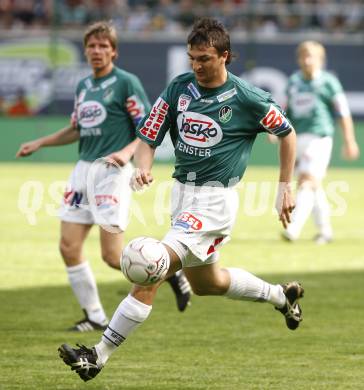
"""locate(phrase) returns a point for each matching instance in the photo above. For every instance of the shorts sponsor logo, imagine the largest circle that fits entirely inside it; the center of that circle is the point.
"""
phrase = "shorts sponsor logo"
(274, 121)
(198, 129)
(155, 120)
(91, 114)
(72, 198)
(183, 102)
(135, 108)
(225, 114)
(106, 200)
(188, 221)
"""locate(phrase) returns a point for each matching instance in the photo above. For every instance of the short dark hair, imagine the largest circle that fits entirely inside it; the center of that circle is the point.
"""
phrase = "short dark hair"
(102, 30)
(211, 33)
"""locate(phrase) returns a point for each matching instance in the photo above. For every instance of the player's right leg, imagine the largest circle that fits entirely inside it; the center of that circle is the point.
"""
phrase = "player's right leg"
(132, 312)
(81, 277)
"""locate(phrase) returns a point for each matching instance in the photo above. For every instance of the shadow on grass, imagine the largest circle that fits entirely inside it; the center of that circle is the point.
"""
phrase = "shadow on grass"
(217, 341)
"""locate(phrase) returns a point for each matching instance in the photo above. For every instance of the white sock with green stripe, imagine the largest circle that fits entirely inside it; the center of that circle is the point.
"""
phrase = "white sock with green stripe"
(247, 287)
(130, 314)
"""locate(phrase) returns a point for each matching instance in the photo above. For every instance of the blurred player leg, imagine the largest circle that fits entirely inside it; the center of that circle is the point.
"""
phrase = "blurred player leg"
(304, 204)
(81, 277)
(321, 215)
(181, 289)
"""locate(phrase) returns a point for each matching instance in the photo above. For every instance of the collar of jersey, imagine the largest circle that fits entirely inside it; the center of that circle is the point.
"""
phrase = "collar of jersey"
(212, 91)
(98, 80)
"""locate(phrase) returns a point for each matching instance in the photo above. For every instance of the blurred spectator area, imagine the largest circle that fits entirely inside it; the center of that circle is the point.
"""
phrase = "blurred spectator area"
(266, 17)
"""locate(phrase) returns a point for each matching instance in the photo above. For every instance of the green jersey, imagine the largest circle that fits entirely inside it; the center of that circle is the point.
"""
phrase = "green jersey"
(107, 112)
(212, 129)
(312, 105)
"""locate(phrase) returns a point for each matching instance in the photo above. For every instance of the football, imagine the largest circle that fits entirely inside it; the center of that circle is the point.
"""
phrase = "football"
(144, 261)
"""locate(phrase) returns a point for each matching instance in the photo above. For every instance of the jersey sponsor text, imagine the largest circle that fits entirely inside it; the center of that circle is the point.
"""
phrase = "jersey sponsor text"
(90, 114)
(155, 120)
(198, 130)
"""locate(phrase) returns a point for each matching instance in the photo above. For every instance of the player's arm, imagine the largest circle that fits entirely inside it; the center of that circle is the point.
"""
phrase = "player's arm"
(341, 107)
(64, 136)
(136, 105)
(287, 155)
(350, 148)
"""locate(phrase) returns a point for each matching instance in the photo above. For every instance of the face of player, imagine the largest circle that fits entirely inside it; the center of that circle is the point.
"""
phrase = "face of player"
(310, 62)
(100, 55)
(208, 65)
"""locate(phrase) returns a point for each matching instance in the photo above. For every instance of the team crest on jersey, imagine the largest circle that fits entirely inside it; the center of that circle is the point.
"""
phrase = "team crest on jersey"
(108, 95)
(225, 114)
(198, 129)
(155, 120)
(91, 114)
(183, 102)
(274, 121)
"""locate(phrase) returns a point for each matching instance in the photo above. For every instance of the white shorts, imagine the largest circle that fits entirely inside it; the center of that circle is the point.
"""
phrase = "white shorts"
(98, 193)
(202, 220)
(313, 154)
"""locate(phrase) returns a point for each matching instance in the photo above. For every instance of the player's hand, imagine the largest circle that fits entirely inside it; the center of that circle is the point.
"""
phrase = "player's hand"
(140, 179)
(351, 151)
(117, 158)
(284, 203)
(28, 148)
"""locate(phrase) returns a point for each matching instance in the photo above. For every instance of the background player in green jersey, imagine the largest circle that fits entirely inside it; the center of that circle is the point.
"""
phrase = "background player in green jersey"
(108, 106)
(213, 118)
(315, 99)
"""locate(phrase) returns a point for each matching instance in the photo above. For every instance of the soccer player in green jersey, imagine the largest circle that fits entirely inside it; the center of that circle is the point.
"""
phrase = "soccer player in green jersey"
(109, 104)
(213, 118)
(315, 100)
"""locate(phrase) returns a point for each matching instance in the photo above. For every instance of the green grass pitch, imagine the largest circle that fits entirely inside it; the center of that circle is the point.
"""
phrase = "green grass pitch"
(217, 343)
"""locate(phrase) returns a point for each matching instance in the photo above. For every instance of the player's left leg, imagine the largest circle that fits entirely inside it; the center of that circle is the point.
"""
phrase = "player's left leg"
(236, 283)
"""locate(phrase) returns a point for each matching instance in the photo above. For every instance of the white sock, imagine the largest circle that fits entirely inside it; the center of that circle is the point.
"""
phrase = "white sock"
(303, 209)
(321, 213)
(246, 286)
(84, 287)
(130, 314)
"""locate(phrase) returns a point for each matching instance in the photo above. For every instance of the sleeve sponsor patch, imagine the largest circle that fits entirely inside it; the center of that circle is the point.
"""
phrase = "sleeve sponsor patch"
(275, 122)
(155, 120)
(135, 108)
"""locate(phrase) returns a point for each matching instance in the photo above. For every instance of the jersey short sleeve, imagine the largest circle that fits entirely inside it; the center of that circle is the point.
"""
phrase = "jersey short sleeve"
(136, 103)
(154, 126)
(270, 115)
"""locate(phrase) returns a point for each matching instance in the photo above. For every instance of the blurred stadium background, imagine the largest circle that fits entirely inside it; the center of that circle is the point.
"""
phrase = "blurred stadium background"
(219, 346)
(41, 53)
